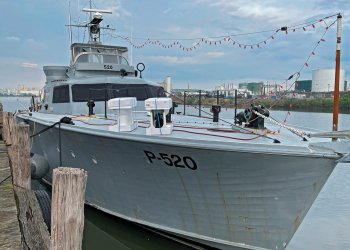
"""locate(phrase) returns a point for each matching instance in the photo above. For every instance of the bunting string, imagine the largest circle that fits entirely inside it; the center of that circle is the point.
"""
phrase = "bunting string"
(222, 39)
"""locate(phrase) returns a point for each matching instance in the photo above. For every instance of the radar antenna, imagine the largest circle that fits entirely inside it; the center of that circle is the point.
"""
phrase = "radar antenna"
(94, 26)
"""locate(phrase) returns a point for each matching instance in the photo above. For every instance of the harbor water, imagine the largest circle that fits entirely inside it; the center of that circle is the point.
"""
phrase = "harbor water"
(324, 227)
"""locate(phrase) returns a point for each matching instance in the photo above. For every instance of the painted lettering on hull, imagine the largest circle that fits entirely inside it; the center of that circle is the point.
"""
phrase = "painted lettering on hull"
(173, 160)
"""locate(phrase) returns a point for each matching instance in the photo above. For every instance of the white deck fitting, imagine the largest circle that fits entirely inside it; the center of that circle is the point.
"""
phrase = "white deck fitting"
(123, 108)
(159, 106)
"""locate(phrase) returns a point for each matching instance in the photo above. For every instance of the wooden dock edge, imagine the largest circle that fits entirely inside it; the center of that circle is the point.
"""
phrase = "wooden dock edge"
(10, 234)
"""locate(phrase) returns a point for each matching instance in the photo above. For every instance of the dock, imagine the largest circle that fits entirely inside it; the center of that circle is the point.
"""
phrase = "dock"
(22, 224)
(10, 236)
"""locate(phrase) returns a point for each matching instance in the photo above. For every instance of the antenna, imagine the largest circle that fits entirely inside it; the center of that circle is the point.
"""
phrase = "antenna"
(70, 26)
(94, 27)
(100, 11)
(132, 20)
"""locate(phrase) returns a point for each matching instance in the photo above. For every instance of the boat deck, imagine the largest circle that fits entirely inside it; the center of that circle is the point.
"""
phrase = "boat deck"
(190, 129)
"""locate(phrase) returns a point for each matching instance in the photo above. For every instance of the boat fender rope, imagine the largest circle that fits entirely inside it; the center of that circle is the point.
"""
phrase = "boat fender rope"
(65, 120)
(160, 129)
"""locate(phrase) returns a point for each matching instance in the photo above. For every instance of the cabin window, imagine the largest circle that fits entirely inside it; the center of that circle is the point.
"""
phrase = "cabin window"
(61, 94)
(97, 92)
(82, 92)
(123, 61)
(129, 90)
(98, 58)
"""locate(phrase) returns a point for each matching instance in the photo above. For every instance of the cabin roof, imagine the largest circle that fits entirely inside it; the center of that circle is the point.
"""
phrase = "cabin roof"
(123, 49)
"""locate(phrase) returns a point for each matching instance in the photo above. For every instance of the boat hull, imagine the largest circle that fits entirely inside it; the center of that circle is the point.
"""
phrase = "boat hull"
(224, 199)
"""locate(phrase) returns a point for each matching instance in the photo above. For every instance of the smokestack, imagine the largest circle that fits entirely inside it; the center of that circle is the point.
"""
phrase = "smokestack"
(168, 85)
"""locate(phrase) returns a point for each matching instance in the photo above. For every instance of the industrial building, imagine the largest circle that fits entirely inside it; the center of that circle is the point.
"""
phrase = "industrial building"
(303, 86)
(255, 87)
(322, 81)
(167, 86)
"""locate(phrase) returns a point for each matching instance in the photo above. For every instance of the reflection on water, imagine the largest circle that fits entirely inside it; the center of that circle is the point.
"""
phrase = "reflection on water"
(114, 233)
(104, 231)
(326, 226)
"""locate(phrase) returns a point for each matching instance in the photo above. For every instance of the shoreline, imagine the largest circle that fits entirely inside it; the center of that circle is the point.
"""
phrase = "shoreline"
(320, 104)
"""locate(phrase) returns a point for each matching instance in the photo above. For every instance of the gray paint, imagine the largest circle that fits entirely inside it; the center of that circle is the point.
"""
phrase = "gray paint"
(244, 194)
(238, 198)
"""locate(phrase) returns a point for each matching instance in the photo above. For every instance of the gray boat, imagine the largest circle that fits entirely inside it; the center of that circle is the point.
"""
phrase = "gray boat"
(204, 179)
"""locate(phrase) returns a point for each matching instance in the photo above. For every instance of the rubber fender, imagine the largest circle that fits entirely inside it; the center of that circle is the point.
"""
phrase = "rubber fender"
(45, 206)
(39, 166)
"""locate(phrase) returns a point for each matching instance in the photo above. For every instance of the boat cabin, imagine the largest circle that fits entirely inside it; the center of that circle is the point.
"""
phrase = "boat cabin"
(97, 73)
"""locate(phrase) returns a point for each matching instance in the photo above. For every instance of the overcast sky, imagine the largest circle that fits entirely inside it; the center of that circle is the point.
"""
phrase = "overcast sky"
(33, 34)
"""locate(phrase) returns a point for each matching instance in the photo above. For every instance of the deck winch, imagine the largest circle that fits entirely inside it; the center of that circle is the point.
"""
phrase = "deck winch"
(160, 120)
(252, 120)
(123, 108)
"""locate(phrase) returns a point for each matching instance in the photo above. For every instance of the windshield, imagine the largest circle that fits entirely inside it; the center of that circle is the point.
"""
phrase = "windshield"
(102, 91)
(98, 58)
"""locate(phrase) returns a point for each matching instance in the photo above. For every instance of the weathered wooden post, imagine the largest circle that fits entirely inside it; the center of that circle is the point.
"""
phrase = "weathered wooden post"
(10, 123)
(1, 121)
(4, 125)
(67, 208)
(20, 156)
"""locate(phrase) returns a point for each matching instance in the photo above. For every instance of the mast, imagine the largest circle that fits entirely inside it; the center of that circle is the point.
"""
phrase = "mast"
(337, 74)
(90, 12)
(70, 27)
(79, 19)
(132, 21)
(70, 34)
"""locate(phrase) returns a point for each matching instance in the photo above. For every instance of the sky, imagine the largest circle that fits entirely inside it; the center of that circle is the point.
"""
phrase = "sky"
(34, 35)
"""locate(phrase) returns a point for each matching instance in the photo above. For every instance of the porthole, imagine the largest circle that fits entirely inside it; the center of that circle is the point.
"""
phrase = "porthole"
(72, 153)
(94, 159)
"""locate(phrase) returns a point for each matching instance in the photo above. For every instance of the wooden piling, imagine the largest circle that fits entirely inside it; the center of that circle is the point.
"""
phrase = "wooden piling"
(5, 126)
(68, 197)
(20, 156)
(1, 122)
(67, 209)
(35, 234)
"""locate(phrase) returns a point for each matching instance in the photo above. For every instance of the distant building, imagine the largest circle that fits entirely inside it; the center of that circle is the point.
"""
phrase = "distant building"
(322, 81)
(226, 89)
(303, 86)
(164, 85)
(30, 92)
(255, 87)
(22, 87)
(296, 95)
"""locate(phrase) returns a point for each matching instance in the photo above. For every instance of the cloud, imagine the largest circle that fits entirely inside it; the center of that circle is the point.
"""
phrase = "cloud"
(12, 38)
(173, 60)
(29, 65)
(166, 11)
(215, 54)
(117, 8)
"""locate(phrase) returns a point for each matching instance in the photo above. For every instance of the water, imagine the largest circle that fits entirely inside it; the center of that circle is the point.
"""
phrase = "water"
(324, 227)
